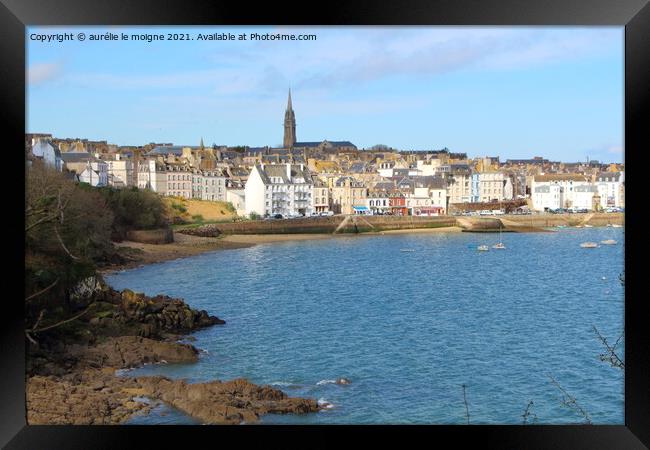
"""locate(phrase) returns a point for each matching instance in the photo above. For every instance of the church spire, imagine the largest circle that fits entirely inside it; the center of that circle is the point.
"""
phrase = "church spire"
(289, 125)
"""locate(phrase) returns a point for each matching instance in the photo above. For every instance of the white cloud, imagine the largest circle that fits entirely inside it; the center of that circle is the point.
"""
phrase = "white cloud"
(41, 72)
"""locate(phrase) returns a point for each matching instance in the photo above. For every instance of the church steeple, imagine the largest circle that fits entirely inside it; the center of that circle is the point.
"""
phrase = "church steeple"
(289, 125)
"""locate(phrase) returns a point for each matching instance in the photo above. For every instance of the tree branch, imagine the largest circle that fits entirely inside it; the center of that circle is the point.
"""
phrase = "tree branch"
(58, 324)
(42, 291)
(466, 405)
(611, 355)
(570, 401)
(40, 221)
(56, 231)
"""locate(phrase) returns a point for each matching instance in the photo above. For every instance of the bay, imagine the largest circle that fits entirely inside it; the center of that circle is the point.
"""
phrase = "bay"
(409, 328)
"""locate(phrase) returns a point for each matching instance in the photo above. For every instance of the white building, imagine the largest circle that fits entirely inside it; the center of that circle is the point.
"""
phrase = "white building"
(583, 196)
(378, 202)
(547, 196)
(120, 172)
(492, 186)
(561, 191)
(430, 167)
(95, 173)
(284, 189)
(610, 188)
(237, 199)
(152, 175)
(48, 152)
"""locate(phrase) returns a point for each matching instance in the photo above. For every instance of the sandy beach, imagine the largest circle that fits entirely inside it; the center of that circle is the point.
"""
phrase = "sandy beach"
(139, 254)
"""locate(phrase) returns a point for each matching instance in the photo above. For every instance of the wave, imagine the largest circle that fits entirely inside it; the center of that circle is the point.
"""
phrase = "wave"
(322, 382)
(281, 383)
(324, 403)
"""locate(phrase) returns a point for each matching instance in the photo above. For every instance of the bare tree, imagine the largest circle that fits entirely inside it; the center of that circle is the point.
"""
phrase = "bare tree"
(466, 405)
(527, 413)
(610, 355)
(570, 401)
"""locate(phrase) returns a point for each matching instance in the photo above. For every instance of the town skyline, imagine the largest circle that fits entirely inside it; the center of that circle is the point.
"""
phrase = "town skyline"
(512, 92)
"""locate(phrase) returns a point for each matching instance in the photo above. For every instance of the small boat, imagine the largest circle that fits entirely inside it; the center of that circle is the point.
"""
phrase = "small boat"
(407, 250)
(483, 248)
(589, 226)
(578, 226)
(608, 242)
(609, 224)
(500, 245)
(617, 226)
(589, 245)
(560, 226)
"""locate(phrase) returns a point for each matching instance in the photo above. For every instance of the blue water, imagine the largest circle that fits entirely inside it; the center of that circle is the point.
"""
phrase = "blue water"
(409, 328)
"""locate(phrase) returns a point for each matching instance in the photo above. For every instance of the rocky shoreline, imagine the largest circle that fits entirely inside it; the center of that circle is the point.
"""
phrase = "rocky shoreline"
(71, 371)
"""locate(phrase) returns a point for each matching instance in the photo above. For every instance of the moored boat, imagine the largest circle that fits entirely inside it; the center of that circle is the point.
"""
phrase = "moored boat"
(483, 248)
(608, 242)
(589, 245)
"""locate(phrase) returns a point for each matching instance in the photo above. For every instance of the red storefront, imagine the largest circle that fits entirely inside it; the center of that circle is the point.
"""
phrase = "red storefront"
(398, 205)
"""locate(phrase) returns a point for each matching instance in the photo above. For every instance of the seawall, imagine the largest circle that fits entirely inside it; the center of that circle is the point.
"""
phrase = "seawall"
(334, 224)
(366, 224)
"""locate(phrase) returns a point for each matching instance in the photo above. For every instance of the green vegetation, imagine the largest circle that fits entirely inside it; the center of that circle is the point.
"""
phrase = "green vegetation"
(69, 229)
(133, 209)
(179, 207)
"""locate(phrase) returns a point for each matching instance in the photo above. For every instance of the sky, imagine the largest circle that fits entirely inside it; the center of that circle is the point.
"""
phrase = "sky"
(513, 92)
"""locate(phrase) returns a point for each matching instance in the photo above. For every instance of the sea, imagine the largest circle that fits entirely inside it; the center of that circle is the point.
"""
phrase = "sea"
(427, 329)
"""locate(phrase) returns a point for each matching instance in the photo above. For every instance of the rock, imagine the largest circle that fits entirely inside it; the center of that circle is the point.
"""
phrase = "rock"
(229, 402)
(342, 381)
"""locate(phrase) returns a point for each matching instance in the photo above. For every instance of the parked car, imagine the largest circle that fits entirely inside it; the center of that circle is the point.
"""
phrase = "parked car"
(278, 216)
(327, 213)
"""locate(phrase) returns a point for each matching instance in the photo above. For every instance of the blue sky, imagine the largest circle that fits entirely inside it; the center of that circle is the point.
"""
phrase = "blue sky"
(515, 92)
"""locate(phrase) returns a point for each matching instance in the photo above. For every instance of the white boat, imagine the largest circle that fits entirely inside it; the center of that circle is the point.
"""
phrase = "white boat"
(617, 226)
(483, 248)
(608, 242)
(609, 224)
(589, 245)
(500, 245)
(589, 226)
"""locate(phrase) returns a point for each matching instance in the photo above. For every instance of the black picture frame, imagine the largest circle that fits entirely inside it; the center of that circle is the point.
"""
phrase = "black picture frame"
(15, 15)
